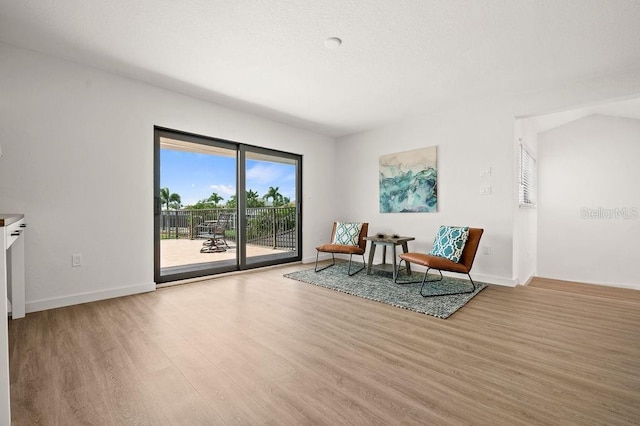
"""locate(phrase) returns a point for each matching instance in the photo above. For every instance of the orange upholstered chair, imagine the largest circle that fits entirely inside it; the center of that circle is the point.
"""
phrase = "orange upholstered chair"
(345, 240)
(463, 266)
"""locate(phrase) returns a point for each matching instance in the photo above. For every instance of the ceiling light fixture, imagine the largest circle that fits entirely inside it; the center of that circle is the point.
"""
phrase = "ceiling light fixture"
(332, 42)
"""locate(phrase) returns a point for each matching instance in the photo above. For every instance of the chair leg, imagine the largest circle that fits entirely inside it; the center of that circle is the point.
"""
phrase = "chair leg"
(212, 248)
(333, 258)
(425, 280)
(223, 240)
(472, 283)
(349, 271)
(398, 274)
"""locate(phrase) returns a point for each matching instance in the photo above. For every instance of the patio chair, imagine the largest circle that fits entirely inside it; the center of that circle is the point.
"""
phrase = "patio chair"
(345, 240)
(461, 265)
(214, 232)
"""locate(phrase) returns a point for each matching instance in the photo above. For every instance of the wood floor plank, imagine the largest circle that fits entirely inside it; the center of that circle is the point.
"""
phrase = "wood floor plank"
(174, 400)
(258, 348)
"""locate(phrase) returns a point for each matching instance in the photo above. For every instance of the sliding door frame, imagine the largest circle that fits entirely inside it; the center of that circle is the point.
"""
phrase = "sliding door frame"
(241, 155)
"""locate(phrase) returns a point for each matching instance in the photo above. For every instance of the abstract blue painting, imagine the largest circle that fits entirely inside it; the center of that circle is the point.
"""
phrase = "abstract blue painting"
(408, 181)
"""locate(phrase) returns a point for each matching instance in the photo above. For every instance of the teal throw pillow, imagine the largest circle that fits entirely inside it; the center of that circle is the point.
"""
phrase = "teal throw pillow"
(347, 234)
(450, 242)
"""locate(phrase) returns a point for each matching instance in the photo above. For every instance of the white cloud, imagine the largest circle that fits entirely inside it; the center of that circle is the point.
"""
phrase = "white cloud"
(264, 173)
(227, 190)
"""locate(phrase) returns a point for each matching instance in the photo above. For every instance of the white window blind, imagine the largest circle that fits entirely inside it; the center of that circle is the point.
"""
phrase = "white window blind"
(528, 178)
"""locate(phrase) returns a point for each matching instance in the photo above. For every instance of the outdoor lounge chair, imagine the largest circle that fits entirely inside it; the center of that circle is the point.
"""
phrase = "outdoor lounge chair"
(214, 232)
(344, 240)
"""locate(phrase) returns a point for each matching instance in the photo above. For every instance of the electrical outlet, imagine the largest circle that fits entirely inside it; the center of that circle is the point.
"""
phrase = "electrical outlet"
(76, 260)
(486, 249)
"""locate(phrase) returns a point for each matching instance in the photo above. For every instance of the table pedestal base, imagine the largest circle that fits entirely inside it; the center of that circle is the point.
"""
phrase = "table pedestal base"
(391, 242)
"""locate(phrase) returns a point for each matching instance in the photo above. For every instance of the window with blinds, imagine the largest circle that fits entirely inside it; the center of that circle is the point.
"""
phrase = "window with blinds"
(527, 179)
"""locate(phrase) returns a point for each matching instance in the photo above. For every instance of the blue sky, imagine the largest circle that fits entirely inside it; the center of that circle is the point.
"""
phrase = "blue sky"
(195, 176)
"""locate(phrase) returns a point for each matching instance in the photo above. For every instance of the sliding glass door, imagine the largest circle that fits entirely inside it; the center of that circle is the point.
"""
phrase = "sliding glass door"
(271, 209)
(222, 206)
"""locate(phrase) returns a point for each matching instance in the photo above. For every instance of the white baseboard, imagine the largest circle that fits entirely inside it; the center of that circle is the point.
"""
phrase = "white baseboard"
(527, 281)
(607, 284)
(75, 299)
(618, 285)
(489, 279)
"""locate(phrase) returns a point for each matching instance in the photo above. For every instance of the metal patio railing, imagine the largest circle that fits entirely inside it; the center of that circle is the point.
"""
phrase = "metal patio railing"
(266, 226)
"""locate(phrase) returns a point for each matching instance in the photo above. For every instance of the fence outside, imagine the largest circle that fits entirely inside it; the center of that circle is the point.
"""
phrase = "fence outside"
(266, 226)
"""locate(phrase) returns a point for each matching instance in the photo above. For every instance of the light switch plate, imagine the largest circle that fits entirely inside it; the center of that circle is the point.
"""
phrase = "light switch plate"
(485, 190)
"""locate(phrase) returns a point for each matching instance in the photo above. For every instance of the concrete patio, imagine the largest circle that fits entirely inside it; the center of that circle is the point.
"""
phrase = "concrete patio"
(178, 252)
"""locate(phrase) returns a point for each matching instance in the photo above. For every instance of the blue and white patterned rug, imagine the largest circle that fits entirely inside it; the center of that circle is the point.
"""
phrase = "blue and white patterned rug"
(380, 287)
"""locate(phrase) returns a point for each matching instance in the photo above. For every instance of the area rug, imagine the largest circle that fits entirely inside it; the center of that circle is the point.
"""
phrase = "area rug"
(380, 287)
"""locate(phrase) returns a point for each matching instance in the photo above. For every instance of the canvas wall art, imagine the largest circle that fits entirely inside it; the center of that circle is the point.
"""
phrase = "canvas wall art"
(408, 181)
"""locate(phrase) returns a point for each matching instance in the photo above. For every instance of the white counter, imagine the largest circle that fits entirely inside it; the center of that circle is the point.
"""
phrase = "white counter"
(12, 228)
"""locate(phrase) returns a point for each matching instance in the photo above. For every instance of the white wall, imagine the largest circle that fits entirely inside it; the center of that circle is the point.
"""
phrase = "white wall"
(78, 162)
(584, 166)
(470, 135)
(468, 140)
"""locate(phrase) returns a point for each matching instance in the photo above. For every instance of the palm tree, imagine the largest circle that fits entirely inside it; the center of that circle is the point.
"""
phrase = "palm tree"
(252, 195)
(170, 199)
(215, 199)
(232, 202)
(274, 194)
(252, 199)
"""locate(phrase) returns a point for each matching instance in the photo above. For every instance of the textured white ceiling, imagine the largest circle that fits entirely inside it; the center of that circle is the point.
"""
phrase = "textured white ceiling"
(268, 57)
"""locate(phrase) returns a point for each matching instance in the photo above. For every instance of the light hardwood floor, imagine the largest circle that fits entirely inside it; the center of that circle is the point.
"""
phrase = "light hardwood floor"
(257, 348)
